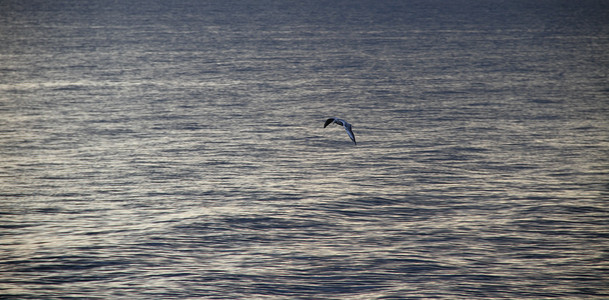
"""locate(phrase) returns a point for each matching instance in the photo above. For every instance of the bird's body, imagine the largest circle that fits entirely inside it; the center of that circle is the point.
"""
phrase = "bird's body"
(343, 123)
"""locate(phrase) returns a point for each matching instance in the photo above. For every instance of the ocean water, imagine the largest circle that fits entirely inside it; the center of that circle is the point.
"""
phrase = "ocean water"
(176, 149)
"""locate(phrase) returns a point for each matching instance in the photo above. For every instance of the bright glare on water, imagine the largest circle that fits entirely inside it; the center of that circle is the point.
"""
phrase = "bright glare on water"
(177, 149)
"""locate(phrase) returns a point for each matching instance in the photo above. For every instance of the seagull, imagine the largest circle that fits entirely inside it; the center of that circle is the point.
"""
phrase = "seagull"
(343, 123)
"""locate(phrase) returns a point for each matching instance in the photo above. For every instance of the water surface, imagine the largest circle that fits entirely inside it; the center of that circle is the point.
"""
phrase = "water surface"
(177, 150)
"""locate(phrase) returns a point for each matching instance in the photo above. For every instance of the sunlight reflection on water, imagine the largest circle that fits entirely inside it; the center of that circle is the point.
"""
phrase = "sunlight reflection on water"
(185, 158)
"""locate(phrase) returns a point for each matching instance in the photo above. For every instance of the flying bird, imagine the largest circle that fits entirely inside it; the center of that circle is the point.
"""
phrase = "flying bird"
(344, 124)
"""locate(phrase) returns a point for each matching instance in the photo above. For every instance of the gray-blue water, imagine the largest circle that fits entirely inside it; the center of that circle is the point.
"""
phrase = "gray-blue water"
(176, 149)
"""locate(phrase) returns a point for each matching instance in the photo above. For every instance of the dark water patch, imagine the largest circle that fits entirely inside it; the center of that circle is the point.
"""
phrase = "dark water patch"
(61, 279)
(66, 264)
(16, 226)
(69, 88)
(330, 286)
(545, 101)
(263, 223)
(375, 202)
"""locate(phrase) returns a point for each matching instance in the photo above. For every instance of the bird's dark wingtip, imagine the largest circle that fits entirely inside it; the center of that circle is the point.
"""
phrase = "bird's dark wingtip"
(328, 121)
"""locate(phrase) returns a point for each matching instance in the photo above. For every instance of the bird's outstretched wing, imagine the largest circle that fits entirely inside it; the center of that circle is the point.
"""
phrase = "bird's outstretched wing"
(328, 121)
(350, 132)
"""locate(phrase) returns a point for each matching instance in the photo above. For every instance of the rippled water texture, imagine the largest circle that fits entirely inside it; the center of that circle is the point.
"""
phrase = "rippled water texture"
(176, 149)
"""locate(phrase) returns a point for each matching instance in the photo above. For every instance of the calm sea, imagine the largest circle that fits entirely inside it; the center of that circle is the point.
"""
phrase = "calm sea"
(176, 149)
